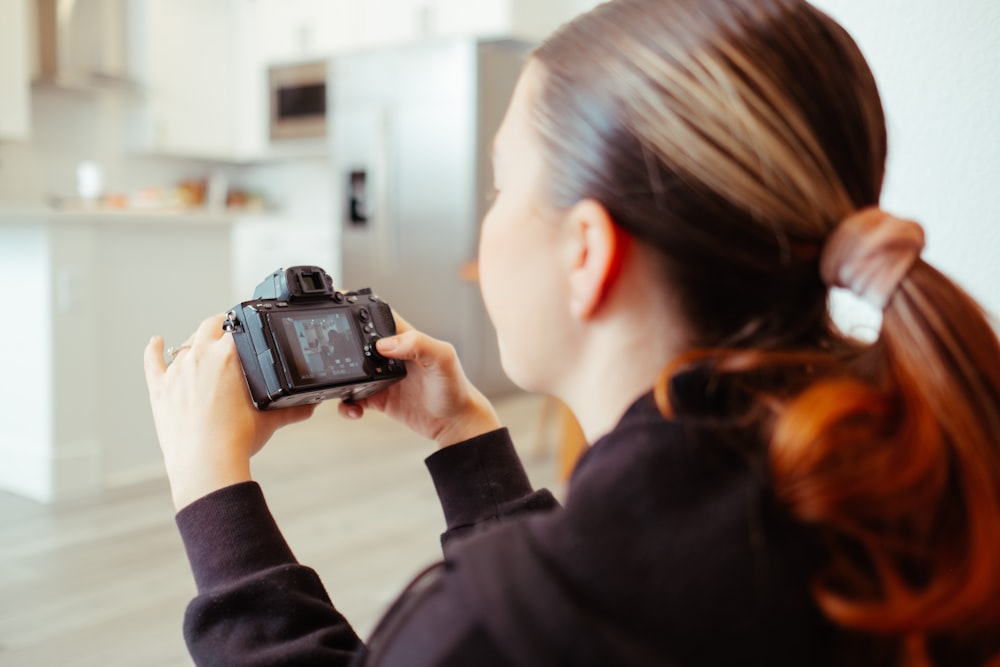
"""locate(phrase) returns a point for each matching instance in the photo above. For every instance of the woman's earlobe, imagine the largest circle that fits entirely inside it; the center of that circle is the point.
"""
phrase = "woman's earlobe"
(598, 255)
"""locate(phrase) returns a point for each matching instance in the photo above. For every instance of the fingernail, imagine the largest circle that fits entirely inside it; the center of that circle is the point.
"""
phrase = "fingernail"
(386, 344)
(353, 411)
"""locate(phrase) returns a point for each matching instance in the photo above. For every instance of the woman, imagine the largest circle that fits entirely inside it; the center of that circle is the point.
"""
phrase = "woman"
(679, 185)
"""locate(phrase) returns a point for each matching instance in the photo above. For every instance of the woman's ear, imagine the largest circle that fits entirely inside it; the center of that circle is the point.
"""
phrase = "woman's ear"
(598, 249)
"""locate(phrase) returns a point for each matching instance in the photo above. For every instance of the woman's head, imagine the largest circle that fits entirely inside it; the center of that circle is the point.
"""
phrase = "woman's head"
(729, 136)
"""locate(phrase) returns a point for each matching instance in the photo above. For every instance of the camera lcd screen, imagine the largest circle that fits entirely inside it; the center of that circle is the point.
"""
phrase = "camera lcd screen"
(318, 347)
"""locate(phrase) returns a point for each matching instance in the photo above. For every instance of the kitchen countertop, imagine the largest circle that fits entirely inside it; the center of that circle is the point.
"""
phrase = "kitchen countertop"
(13, 213)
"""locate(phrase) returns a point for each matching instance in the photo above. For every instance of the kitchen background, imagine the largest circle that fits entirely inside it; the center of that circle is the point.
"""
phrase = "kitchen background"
(140, 241)
(154, 187)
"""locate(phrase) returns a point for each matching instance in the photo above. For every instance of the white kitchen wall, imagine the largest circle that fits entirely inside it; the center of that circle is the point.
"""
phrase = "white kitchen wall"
(68, 128)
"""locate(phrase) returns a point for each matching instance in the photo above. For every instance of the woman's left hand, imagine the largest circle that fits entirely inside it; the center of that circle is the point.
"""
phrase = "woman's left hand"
(208, 427)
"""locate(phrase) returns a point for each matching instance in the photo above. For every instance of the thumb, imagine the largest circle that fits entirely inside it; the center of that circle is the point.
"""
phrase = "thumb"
(388, 347)
(418, 348)
(152, 361)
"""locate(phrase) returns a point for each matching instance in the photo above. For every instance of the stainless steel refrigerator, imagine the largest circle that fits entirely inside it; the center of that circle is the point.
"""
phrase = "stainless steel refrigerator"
(411, 129)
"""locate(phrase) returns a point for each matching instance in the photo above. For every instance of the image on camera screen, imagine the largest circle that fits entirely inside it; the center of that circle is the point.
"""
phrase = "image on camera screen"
(320, 348)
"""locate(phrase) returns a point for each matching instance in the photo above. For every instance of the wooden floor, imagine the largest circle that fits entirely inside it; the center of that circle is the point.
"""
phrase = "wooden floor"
(104, 582)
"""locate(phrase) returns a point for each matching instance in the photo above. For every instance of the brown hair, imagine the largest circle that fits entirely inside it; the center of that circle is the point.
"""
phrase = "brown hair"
(731, 136)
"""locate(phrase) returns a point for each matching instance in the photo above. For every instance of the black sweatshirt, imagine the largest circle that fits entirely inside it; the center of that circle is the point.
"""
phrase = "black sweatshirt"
(670, 550)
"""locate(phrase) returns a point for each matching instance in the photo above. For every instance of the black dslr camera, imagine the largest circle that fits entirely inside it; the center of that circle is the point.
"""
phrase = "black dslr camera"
(301, 341)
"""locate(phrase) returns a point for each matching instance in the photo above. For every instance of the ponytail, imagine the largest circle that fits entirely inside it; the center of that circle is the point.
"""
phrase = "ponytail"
(897, 462)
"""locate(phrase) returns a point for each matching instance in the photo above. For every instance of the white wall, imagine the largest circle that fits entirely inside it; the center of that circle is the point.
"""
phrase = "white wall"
(67, 128)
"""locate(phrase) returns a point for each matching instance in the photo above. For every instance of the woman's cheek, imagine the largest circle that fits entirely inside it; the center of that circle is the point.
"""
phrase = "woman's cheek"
(488, 261)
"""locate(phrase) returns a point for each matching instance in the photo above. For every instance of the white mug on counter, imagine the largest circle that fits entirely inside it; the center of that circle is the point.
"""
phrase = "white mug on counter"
(89, 180)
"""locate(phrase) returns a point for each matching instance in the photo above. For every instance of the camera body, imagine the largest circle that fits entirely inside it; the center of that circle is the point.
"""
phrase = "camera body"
(301, 341)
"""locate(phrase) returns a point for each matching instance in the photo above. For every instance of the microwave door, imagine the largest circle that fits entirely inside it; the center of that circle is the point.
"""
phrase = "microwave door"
(298, 101)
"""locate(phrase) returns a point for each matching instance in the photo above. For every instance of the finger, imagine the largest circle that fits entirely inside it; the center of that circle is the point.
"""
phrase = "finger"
(209, 330)
(174, 351)
(416, 347)
(297, 413)
(153, 364)
(350, 410)
(229, 342)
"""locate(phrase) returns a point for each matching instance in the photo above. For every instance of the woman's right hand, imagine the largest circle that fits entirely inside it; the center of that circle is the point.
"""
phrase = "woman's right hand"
(435, 399)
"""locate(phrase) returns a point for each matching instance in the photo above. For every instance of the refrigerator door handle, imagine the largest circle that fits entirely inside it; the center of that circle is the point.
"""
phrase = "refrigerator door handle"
(358, 204)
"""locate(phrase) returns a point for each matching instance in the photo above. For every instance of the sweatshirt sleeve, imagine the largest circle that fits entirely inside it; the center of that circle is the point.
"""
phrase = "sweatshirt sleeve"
(482, 481)
(256, 605)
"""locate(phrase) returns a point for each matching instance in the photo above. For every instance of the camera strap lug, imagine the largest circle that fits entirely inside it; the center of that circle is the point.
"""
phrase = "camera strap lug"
(231, 323)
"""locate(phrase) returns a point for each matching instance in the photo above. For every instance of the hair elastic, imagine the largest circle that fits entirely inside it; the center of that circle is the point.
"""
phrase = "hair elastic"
(869, 253)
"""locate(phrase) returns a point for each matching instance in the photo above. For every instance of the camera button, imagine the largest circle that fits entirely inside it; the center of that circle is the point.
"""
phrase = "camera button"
(364, 315)
(352, 298)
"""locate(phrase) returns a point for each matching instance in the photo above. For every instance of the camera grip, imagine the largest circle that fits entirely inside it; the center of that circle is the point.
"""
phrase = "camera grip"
(385, 323)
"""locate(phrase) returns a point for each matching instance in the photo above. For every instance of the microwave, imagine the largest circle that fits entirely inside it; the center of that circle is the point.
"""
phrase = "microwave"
(298, 100)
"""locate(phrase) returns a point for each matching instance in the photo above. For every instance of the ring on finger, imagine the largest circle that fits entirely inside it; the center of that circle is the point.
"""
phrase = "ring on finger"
(172, 352)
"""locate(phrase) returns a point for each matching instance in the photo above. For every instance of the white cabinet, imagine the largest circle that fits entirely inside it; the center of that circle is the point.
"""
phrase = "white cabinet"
(190, 69)
(385, 22)
(204, 63)
(524, 19)
(15, 86)
(77, 420)
(455, 17)
(296, 30)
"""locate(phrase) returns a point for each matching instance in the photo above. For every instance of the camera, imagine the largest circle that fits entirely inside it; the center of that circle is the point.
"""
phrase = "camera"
(301, 341)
